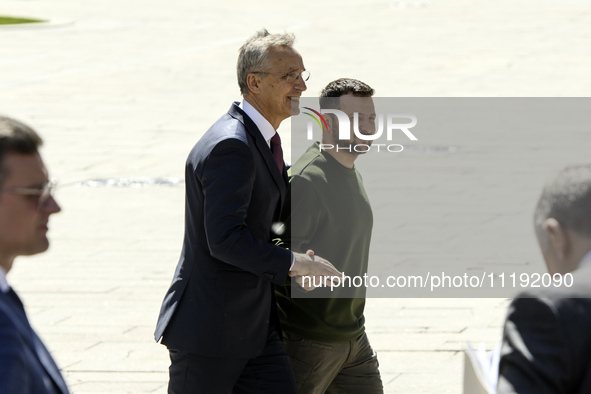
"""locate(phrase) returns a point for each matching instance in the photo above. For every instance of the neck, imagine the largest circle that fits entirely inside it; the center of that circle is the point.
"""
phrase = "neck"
(345, 158)
(581, 246)
(252, 100)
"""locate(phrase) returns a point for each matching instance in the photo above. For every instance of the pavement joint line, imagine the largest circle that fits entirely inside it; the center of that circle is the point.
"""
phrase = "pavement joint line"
(62, 320)
(94, 345)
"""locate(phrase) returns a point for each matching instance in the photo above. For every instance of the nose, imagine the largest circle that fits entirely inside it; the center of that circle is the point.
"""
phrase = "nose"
(367, 127)
(51, 206)
(301, 84)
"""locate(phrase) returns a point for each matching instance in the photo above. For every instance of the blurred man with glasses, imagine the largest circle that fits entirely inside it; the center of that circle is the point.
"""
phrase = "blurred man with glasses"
(25, 206)
(219, 318)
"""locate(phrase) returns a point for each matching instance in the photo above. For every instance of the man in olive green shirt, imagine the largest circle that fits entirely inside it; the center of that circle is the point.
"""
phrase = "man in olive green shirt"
(329, 213)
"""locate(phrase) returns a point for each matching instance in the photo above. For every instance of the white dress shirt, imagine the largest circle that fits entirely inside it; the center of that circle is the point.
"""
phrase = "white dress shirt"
(4, 287)
(259, 120)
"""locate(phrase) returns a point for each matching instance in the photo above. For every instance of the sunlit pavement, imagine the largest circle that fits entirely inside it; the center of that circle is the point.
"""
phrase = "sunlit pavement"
(121, 90)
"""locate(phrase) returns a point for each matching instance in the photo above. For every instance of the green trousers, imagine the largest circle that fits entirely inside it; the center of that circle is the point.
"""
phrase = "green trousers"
(334, 367)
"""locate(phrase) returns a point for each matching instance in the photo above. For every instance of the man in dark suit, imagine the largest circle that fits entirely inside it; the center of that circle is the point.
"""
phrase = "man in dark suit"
(219, 318)
(547, 336)
(26, 367)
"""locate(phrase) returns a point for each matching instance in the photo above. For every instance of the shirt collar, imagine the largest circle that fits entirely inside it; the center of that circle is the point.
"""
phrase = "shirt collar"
(259, 120)
(4, 287)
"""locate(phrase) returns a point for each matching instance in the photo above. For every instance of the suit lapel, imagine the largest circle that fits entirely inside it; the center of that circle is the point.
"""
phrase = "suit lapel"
(264, 150)
(15, 307)
(49, 364)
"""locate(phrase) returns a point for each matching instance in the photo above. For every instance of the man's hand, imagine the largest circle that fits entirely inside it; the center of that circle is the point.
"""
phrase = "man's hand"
(312, 266)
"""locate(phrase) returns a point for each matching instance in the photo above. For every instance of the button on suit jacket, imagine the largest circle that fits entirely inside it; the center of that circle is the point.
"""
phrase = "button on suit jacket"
(221, 301)
(26, 367)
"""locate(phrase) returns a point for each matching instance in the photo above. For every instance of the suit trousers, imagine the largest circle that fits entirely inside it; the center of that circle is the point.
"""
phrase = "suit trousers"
(268, 373)
(349, 367)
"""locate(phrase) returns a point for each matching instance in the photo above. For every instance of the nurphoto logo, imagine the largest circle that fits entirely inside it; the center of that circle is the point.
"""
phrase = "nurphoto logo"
(394, 123)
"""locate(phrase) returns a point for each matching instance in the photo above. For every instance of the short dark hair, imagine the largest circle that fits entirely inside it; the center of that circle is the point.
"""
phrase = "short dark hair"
(16, 137)
(339, 88)
(567, 198)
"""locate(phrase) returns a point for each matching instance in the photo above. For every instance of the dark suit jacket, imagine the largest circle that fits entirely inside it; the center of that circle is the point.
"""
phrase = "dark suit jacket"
(26, 367)
(221, 299)
(547, 340)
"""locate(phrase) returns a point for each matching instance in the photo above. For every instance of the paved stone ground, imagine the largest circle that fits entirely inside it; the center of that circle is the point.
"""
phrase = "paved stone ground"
(122, 90)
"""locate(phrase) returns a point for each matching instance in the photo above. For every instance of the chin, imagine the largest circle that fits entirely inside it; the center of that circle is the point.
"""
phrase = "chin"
(41, 247)
(295, 107)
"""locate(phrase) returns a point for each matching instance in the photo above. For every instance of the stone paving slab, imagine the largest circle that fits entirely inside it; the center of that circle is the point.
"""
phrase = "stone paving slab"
(126, 88)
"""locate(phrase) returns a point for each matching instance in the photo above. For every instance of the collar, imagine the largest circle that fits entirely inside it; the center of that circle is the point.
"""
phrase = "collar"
(259, 120)
(4, 287)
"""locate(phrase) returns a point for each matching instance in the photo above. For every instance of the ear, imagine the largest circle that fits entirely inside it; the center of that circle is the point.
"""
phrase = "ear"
(558, 238)
(329, 122)
(253, 82)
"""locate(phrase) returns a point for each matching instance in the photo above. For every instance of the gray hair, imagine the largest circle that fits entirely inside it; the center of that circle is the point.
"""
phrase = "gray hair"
(254, 54)
(567, 198)
(16, 137)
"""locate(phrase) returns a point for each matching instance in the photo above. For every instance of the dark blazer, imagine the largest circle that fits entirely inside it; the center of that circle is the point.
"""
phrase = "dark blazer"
(547, 340)
(26, 367)
(221, 299)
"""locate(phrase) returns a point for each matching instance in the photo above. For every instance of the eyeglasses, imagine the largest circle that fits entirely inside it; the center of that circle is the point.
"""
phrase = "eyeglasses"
(289, 77)
(42, 194)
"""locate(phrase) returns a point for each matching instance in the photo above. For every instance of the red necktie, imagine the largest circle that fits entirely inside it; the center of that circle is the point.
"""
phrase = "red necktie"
(277, 151)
